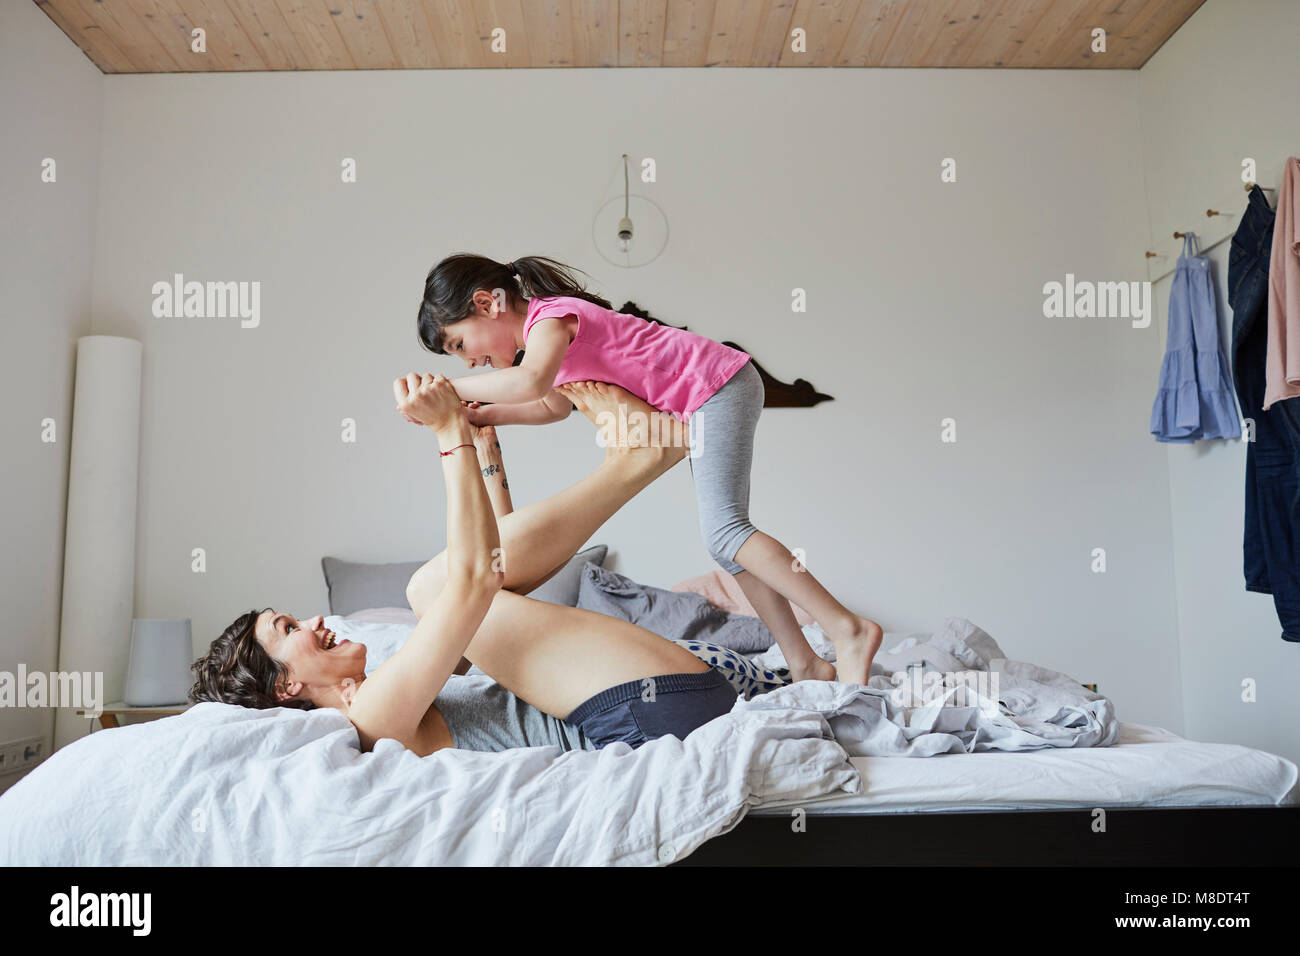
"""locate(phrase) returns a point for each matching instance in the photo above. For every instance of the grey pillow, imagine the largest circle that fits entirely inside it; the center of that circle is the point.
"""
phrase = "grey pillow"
(562, 588)
(676, 615)
(355, 587)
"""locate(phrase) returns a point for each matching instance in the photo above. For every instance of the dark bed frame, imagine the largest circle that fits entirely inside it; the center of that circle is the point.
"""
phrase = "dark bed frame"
(1134, 836)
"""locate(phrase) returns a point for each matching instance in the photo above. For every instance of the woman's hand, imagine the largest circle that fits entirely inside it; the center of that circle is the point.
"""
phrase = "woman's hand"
(475, 415)
(429, 399)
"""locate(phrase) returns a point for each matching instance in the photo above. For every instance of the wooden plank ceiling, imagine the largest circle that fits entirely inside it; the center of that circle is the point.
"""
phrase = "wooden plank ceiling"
(154, 36)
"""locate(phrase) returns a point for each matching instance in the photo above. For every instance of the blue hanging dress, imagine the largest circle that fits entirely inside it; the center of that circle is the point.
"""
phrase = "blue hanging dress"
(1194, 399)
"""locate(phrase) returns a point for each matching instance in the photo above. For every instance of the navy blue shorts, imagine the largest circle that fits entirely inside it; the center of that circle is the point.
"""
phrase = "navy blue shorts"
(642, 710)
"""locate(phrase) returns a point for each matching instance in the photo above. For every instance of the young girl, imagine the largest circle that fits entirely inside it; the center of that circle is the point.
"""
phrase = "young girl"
(572, 336)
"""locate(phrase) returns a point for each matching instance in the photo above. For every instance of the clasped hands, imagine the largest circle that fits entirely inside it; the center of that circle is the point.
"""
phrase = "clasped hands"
(429, 400)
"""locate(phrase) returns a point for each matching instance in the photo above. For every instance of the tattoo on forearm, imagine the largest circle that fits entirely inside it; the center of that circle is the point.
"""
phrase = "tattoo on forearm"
(491, 470)
(505, 484)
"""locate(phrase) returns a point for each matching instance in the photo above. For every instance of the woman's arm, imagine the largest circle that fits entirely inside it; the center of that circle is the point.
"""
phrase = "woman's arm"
(492, 465)
(393, 700)
(531, 379)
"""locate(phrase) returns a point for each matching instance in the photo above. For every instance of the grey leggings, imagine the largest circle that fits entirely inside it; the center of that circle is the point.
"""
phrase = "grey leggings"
(722, 452)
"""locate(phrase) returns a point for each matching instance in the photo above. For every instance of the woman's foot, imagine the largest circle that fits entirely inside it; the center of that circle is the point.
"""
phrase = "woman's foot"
(626, 422)
(856, 642)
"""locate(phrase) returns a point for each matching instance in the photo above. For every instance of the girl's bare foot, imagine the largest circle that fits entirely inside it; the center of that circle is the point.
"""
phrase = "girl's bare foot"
(815, 668)
(626, 421)
(856, 641)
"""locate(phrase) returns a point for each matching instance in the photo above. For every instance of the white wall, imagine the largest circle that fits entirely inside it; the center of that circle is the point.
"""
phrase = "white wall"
(1220, 90)
(51, 104)
(925, 301)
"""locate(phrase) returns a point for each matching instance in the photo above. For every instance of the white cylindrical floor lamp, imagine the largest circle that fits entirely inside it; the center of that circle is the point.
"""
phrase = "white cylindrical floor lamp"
(99, 542)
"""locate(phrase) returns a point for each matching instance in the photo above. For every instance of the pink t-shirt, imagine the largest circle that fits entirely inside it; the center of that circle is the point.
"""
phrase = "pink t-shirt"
(672, 369)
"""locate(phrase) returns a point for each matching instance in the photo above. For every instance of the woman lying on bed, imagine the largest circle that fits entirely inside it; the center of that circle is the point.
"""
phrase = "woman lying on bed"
(568, 677)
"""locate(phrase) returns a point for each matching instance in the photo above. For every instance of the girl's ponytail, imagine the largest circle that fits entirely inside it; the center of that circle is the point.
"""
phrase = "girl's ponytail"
(450, 286)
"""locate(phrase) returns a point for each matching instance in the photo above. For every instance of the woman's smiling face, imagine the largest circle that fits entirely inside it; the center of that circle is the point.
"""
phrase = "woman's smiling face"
(316, 658)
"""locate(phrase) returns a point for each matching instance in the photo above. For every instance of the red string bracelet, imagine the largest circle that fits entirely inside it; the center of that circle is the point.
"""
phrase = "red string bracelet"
(444, 454)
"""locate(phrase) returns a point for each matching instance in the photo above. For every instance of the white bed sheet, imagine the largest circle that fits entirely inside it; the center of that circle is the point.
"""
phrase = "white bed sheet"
(1147, 767)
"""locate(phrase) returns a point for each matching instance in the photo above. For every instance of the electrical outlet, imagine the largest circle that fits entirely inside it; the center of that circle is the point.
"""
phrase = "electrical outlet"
(17, 755)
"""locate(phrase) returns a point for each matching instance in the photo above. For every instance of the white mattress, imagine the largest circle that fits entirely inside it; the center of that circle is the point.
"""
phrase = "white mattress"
(1148, 767)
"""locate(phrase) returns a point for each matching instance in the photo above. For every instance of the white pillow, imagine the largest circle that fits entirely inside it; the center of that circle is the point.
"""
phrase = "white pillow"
(381, 638)
(385, 615)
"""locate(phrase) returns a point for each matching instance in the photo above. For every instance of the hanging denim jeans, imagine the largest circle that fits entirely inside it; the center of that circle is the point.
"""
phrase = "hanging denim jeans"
(1270, 542)
(1194, 397)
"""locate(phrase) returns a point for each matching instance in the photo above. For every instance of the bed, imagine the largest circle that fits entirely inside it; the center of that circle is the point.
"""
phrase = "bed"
(1167, 801)
(787, 778)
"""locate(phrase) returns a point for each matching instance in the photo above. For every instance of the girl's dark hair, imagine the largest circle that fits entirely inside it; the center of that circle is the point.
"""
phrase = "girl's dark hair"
(238, 670)
(450, 286)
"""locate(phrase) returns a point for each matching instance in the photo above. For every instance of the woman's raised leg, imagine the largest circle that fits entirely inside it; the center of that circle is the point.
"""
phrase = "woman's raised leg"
(538, 539)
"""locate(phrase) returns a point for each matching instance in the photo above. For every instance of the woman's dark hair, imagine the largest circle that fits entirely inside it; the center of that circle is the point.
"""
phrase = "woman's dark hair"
(450, 286)
(238, 670)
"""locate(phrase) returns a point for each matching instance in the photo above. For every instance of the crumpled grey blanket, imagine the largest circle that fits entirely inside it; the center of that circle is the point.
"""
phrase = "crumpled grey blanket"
(983, 701)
